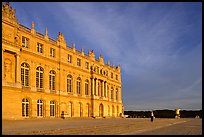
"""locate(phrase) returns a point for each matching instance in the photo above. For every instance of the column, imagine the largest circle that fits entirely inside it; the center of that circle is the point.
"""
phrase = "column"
(102, 88)
(106, 87)
(2, 64)
(18, 70)
(96, 87)
(120, 93)
(74, 85)
(33, 76)
(46, 79)
(92, 86)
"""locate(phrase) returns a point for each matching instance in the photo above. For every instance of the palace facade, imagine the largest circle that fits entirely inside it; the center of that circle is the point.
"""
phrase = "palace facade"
(42, 77)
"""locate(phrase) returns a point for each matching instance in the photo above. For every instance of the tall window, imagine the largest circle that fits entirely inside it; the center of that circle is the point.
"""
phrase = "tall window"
(70, 108)
(25, 42)
(78, 62)
(86, 87)
(87, 65)
(25, 74)
(25, 107)
(111, 92)
(87, 109)
(52, 108)
(69, 58)
(108, 92)
(116, 94)
(111, 74)
(97, 69)
(80, 109)
(40, 108)
(52, 80)
(39, 77)
(108, 110)
(78, 85)
(52, 52)
(69, 83)
(116, 77)
(39, 47)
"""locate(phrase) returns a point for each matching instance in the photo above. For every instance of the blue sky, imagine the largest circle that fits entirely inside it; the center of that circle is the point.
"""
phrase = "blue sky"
(158, 45)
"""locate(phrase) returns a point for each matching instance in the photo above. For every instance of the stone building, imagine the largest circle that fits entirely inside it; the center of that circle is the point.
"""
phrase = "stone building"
(42, 77)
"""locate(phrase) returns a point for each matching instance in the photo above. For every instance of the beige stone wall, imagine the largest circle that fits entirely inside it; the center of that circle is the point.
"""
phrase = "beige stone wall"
(13, 55)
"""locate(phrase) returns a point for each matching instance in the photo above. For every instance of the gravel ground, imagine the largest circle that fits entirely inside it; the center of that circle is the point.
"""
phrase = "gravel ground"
(102, 126)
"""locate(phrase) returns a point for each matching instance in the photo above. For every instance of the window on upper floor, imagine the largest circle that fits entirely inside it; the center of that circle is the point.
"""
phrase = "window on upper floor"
(69, 58)
(97, 69)
(116, 77)
(112, 90)
(116, 94)
(25, 42)
(25, 74)
(111, 74)
(39, 77)
(39, 47)
(69, 83)
(78, 85)
(52, 76)
(87, 87)
(78, 62)
(52, 52)
(87, 65)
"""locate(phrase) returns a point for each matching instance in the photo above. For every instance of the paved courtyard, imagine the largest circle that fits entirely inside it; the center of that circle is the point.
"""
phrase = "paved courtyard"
(102, 126)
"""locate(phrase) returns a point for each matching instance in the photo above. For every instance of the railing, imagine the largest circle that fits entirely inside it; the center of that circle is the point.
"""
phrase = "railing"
(52, 41)
(25, 28)
(39, 35)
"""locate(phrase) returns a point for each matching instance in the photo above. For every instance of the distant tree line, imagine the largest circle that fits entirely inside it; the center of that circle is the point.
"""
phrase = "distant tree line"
(164, 113)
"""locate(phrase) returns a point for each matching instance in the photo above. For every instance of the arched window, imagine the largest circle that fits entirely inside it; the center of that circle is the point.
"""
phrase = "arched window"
(25, 74)
(101, 110)
(87, 109)
(52, 108)
(25, 107)
(87, 87)
(69, 83)
(52, 80)
(108, 95)
(113, 111)
(40, 108)
(39, 77)
(117, 111)
(70, 112)
(78, 85)
(108, 110)
(116, 94)
(111, 92)
(80, 109)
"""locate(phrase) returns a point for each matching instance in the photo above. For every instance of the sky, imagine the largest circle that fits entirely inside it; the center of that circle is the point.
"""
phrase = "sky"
(157, 44)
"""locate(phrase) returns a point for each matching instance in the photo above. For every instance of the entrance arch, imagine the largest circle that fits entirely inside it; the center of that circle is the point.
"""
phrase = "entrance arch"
(101, 110)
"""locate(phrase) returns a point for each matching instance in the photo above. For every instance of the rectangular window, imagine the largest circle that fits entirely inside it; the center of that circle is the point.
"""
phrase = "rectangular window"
(52, 52)
(87, 65)
(111, 74)
(78, 62)
(69, 58)
(86, 88)
(25, 42)
(69, 85)
(39, 47)
(116, 77)
(97, 70)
